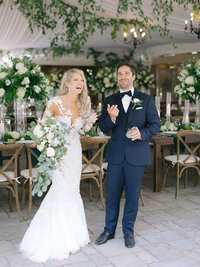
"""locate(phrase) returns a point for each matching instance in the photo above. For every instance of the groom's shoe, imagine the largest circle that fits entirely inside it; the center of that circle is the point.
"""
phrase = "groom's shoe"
(103, 238)
(129, 241)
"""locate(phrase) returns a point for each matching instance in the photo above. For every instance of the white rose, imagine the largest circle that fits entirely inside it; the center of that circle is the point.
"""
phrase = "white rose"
(19, 65)
(50, 152)
(38, 131)
(33, 71)
(2, 92)
(26, 80)
(191, 89)
(37, 89)
(184, 73)
(22, 71)
(50, 136)
(56, 142)
(8, 82)
(163, 128)
(106, 80)
(139, 77)
(190, 80)
(15, 134)
(21, 92)
(135, 100)
(3, 74)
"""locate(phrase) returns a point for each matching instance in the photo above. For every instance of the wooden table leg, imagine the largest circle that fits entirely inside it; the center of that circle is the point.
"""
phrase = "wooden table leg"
(157, 168)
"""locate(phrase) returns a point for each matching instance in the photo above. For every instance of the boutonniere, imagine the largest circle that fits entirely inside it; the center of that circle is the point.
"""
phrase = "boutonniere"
(136, 102)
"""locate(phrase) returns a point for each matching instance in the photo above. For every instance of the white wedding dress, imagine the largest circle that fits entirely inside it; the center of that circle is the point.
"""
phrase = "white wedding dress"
(59, 226)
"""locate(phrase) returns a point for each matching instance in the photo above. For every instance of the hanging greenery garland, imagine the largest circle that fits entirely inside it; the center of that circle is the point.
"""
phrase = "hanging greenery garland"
(80, 21)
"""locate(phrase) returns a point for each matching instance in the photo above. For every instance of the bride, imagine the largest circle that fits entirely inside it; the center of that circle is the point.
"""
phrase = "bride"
(59, 226)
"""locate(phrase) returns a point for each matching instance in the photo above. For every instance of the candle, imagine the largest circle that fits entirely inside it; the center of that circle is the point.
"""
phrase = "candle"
(1, 127)
(168, 110)
(99, 107)
(157, 91)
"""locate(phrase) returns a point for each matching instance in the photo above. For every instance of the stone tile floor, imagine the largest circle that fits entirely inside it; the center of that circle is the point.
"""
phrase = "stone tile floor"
(167, 231)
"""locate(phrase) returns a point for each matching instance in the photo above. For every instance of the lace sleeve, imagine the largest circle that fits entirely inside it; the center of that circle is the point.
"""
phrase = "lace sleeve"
(90, 119)
(50, 109)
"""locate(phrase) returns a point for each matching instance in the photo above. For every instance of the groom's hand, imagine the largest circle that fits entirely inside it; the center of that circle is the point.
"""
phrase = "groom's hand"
(113, 111)
(135, 134)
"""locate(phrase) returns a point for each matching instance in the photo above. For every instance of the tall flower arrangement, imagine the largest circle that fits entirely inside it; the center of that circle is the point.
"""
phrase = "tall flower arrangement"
(188, 81)
(22, 78)
(104, 81)
(144, 81)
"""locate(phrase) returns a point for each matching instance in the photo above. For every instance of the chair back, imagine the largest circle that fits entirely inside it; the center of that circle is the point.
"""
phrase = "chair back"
(192, 156)
(32, 156)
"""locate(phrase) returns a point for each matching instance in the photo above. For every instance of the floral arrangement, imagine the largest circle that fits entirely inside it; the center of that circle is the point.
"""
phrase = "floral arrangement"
(188, 85)
(104, 81)
(11, 136)
(144, 81)
(55, 79)
(22, 78)
(49, 135)
(136, 102)
(176, 125)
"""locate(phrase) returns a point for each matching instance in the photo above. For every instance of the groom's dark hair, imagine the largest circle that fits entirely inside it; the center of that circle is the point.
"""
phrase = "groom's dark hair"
(132, 68)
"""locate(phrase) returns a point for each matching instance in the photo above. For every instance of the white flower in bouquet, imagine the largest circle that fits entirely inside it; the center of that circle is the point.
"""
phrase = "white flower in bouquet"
(52, 145)
(21, 92)
(50, 152)
(2, 92)
(15, 134)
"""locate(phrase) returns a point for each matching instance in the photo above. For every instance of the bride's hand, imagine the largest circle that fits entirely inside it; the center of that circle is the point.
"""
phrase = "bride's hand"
(93, 117)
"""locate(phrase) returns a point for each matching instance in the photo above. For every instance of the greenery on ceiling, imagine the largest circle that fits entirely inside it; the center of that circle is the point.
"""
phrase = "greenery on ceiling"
(80, 21)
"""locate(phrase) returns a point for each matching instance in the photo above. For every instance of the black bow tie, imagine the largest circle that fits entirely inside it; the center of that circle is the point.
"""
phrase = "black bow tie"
(129, 93)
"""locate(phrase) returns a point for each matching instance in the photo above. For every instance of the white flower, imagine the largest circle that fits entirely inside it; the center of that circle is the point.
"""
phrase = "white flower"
(50, 152)
(8, 82)
(190, 80)
(2, 92)
(106, 80)
(50, 135)
(38, 131)
(56, 142)
(20, 65)
(184, 73)
(37, 89)
(139, 77)
(3, 74)
(15, 135)
(191, 89)
(40, 147)
(25, 81)
(21, 92)
(135, 100)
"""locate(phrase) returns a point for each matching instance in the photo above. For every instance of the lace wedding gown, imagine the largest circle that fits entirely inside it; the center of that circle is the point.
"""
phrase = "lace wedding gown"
(59, 226)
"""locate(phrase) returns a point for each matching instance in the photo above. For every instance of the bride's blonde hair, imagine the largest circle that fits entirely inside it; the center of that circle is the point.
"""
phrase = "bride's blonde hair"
(84, 102)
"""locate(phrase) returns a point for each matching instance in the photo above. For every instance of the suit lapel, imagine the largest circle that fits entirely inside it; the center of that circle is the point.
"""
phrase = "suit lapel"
(130, 110)
(120, 106)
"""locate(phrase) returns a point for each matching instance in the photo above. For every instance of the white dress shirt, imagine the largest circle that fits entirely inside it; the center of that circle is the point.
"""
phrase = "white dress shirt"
(126, 99)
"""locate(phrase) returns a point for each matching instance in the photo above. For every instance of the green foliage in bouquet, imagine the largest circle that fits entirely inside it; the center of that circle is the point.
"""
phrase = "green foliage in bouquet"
(22, 78)
(49, 136)
(188, 81)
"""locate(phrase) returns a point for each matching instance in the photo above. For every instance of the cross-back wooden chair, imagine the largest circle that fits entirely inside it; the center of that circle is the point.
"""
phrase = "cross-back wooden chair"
(184, 161)
(29, 174)
(92, 168)
(9, 179)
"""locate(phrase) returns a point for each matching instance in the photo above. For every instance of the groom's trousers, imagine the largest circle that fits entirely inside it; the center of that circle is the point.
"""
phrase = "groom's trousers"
(120, 176)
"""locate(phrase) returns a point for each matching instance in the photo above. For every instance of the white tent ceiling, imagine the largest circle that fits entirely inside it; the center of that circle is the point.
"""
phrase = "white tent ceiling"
(16, 35)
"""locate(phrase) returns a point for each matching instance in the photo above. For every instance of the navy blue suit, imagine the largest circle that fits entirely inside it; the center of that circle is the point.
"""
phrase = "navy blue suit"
(127, 159)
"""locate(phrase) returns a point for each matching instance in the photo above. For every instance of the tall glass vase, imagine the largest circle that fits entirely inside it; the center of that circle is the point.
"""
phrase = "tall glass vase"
(2, 120)
(186, 113)
(197, 116)
(20, 115)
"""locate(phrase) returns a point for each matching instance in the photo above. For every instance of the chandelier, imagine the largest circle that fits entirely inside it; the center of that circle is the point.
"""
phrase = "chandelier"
(194, 23)
(134, 36)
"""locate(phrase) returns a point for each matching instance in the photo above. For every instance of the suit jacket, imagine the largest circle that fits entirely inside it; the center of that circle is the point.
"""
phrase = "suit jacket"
(145, 117)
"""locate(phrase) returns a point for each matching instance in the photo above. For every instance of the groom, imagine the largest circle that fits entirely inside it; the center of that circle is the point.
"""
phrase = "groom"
(127, 157)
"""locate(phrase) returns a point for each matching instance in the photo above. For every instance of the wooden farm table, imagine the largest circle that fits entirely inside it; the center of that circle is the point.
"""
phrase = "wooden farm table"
(164, 140)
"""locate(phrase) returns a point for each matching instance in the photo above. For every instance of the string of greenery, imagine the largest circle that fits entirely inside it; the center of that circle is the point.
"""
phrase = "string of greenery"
(80, 21)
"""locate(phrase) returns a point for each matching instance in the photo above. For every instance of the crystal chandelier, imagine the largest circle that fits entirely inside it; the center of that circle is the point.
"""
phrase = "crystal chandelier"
(194, 22)
(134, 36)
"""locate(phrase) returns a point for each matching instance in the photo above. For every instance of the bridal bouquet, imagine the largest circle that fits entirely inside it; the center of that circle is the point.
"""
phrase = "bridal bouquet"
(49, 136)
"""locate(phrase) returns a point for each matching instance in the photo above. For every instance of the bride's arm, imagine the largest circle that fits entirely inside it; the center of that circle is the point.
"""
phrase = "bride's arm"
(50, 109)
(90, 120)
